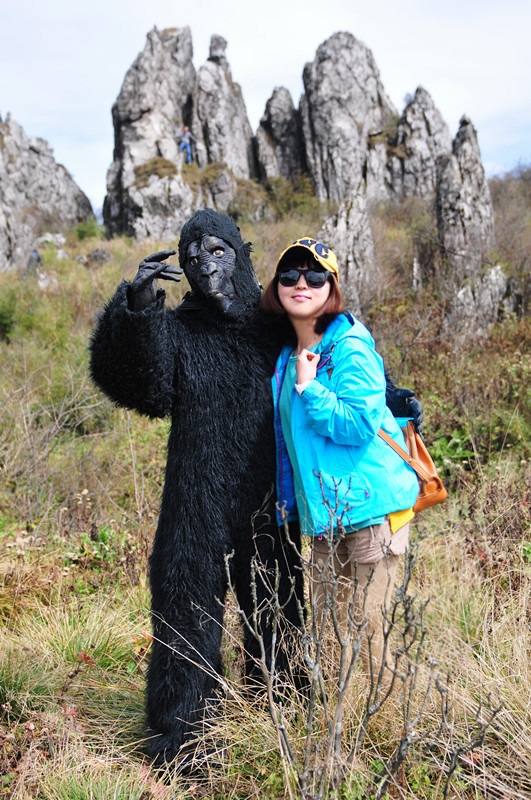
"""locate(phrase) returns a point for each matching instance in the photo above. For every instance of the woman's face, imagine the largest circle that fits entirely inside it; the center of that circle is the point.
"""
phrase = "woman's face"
(302, 301)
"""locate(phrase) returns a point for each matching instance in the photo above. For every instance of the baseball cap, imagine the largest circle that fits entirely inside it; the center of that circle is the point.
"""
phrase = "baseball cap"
(321, 252)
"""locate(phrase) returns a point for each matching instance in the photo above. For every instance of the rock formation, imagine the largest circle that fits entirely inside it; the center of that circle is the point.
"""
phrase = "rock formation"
(350, 236)
(477, 305)
(343, 105)
(346, 134)
(422, 137)
(37, 194)
(219, 119)
(346, 137)
(146, 195)
(464, 208)
(279, 143)
(148, 192)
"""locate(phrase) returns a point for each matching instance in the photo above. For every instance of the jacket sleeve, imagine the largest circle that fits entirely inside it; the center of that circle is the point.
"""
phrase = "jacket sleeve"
(347, 404)
(132, 354)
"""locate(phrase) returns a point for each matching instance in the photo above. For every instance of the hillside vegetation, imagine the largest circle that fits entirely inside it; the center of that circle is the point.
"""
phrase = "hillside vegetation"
(79, 494)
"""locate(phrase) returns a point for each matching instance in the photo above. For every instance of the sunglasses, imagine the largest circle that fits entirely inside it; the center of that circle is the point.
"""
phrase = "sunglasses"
(314, 279)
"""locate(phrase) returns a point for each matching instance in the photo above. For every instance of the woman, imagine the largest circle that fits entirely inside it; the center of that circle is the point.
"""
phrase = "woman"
(347, 488)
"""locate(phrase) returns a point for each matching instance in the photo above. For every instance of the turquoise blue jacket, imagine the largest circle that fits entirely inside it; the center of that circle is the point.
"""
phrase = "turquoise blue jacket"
(350, 474)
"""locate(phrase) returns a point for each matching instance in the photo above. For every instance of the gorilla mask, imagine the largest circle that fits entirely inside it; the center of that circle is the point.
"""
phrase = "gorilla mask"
(218, 266)
(209, 267)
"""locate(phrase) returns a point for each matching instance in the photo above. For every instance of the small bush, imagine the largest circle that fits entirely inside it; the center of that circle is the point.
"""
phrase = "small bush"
(158, 166)
(211, 174)
(288, 197)
(89, 229)
(8, 305)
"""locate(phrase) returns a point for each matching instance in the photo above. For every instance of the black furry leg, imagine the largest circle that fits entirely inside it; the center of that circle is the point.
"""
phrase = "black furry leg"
(183, 679)
(273, 607)
(182, 689)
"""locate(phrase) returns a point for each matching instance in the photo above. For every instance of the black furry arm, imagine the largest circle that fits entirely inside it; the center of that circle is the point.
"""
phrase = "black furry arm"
(132, 359)
(403, 403)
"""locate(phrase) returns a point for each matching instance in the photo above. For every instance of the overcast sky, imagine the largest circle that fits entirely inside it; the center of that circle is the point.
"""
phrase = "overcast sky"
(62, 63)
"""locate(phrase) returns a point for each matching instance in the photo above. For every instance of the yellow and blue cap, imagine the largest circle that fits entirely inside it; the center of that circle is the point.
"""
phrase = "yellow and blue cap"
(321, 252)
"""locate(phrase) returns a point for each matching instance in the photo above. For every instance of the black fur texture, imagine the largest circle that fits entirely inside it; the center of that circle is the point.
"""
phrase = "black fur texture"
(210, 372)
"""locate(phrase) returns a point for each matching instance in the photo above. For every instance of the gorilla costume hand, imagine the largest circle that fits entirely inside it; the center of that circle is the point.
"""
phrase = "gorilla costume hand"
(143, 289)
(403, 403)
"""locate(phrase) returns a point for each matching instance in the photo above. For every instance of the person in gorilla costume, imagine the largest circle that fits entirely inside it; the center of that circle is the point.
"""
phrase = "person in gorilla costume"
(207, 364)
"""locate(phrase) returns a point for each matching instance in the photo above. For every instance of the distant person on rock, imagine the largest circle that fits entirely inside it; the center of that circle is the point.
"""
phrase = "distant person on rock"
(186, 140)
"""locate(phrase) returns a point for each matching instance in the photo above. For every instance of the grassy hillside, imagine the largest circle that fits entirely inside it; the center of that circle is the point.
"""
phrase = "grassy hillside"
(79, 494)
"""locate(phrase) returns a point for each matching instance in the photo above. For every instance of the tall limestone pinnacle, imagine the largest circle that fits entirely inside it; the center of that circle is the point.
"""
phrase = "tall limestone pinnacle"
(344, 102)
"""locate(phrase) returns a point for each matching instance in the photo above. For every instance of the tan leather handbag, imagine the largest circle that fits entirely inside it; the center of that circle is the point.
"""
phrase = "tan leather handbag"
(432, 490)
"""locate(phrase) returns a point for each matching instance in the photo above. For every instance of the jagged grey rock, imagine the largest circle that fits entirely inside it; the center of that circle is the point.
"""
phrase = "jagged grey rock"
(279, 143)
(343, 104)
(346, 136)
(477, 305)
(148, 195)
(36, 192)
(220, 121)
(464, 208)
(349, 234)
(154, 102)
(422, 137)
(159, 209)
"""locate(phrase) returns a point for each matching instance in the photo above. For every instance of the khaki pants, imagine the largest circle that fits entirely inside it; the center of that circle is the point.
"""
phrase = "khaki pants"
(352, 579)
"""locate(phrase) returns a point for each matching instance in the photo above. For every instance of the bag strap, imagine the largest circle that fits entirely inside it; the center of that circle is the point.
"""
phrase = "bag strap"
(409, 459)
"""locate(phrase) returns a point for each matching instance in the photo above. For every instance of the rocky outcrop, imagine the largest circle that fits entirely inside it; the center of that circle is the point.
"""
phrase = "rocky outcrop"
(219, 119)
(146, 195)
(464, 208)
(343, 104)
(349, 234)
(422, 137)
(36, 194)
(345, 136)
(279, 143)
(149, 195)
(477, 305)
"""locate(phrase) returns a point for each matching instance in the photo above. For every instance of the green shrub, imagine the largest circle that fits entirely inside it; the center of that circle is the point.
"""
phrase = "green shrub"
(210, 175)
(8, 305)
(89, 229)
(287, 197)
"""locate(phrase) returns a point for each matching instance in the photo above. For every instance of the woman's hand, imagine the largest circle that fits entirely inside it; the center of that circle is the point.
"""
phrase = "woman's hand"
(307, 366)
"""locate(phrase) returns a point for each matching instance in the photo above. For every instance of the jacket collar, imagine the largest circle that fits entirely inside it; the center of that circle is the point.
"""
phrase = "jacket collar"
(341, 326)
